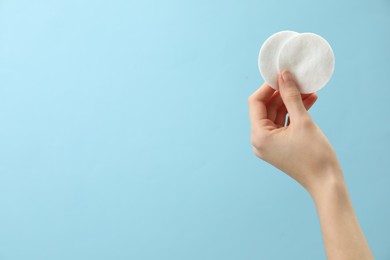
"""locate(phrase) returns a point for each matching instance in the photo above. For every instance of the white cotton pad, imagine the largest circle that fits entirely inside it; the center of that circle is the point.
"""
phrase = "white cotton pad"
(269, 54)
(310, 59)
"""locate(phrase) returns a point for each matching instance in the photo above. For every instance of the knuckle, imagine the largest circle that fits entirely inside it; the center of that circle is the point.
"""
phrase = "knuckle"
(255, 151)
(292, 93)
(258, 153)
(306, 122)
(259, 141)
(251, 99)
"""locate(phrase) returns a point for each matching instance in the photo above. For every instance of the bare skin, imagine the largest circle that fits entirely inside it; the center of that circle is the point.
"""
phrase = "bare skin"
(301, 150)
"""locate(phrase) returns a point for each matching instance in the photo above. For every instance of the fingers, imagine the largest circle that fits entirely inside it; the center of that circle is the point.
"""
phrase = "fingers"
(273, 105)
(265, 102)
(291, 96)
(280, 118)
(257, 103)
(308, 102)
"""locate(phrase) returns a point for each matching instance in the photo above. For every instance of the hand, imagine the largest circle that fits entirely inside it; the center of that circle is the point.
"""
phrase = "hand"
(301, 150)
(298, 148)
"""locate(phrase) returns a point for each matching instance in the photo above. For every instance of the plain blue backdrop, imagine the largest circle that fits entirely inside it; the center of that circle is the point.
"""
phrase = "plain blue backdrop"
(124, 129)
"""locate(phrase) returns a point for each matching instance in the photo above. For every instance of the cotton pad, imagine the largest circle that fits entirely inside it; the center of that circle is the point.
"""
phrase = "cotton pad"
(310, 58)
(268, 60)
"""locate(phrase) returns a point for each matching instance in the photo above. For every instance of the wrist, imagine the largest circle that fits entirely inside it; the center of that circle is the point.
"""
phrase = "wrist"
(330, 185)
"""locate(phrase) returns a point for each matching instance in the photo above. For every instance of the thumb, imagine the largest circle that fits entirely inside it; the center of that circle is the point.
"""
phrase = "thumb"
(291, 95)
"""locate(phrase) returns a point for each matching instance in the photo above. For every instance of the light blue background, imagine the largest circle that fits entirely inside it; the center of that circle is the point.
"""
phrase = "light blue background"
(124, 129)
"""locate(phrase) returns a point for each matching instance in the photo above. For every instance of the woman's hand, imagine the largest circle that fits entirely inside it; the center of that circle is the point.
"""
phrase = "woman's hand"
(302, 151)
(298, 148)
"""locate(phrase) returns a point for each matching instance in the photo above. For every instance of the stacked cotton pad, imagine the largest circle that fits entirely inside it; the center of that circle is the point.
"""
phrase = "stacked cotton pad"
(308, 56)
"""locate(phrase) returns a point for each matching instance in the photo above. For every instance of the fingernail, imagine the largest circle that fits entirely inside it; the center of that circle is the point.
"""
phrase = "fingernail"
(287, 76)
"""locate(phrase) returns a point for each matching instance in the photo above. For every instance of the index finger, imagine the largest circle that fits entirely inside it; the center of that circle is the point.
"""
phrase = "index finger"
(257, 103)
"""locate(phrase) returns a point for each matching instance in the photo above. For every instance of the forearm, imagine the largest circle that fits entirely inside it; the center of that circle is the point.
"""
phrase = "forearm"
(342, 235)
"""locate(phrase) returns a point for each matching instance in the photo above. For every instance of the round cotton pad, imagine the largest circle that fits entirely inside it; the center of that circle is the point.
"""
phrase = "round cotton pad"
(269, 54)
(310, 59)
